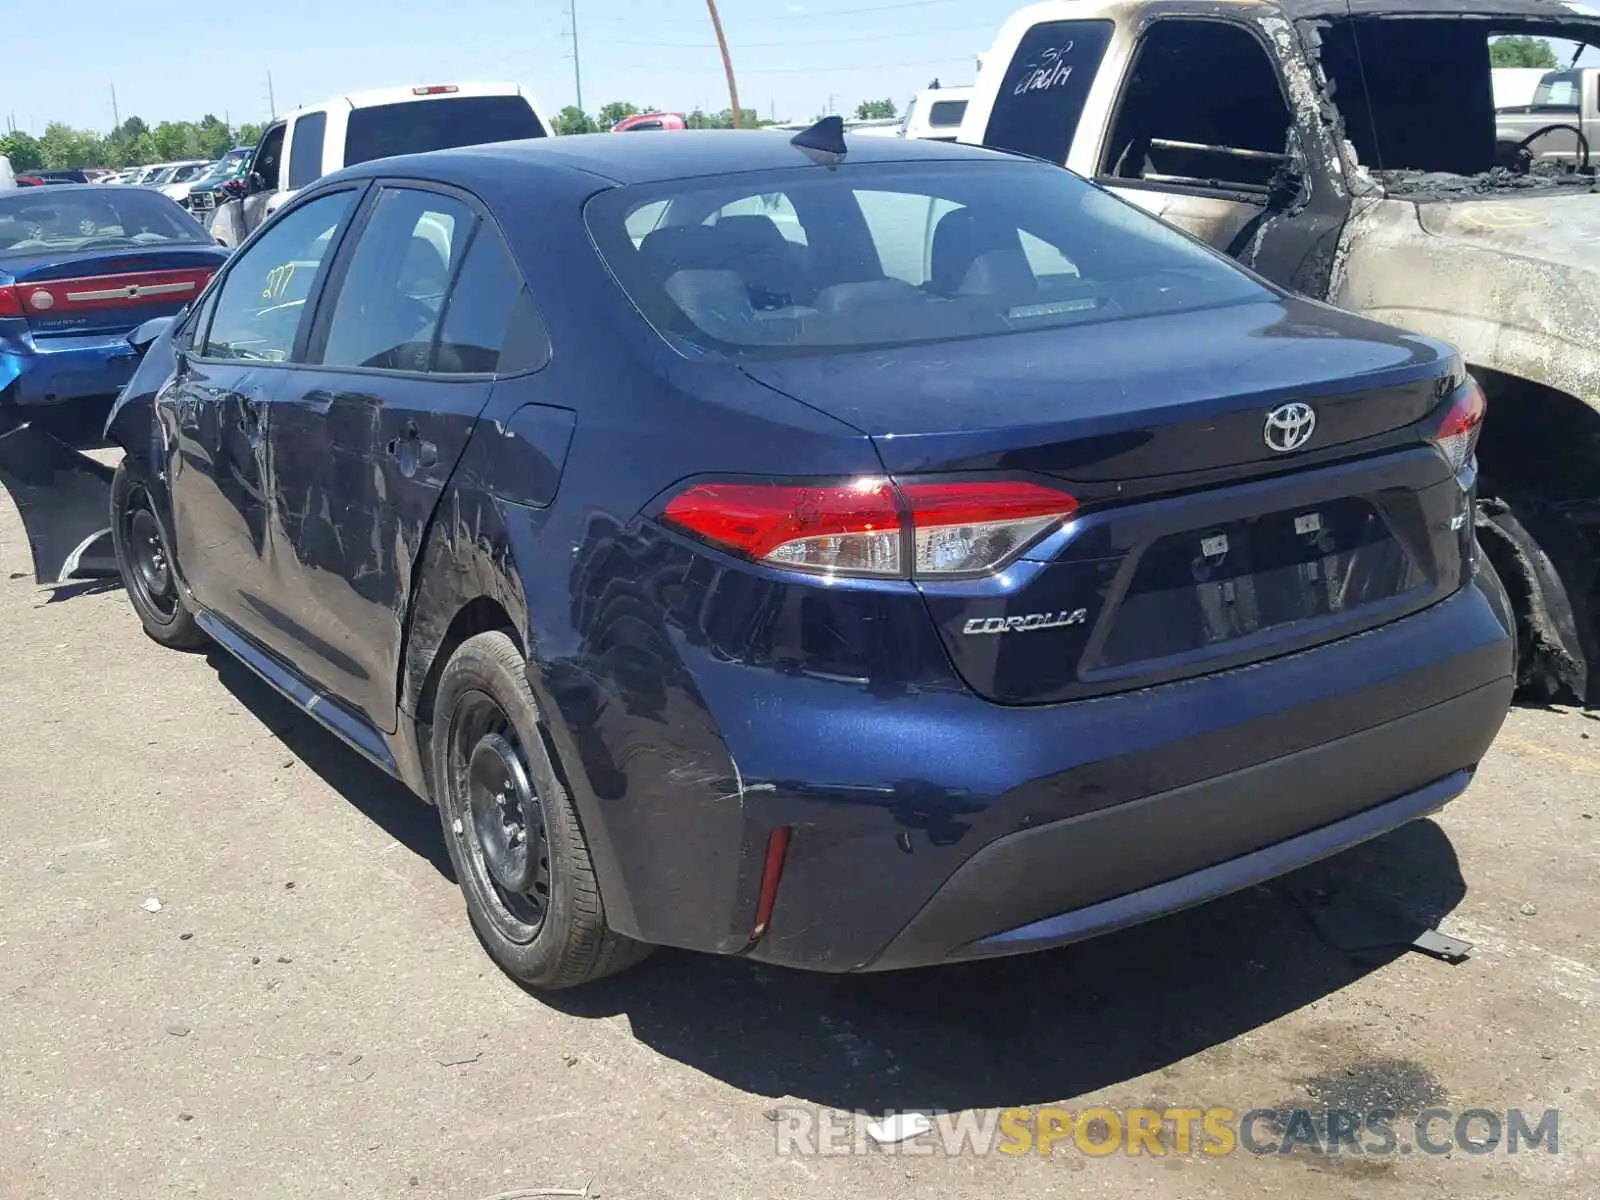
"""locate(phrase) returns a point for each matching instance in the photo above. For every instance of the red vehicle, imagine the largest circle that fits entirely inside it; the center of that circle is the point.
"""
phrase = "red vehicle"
(640, 122)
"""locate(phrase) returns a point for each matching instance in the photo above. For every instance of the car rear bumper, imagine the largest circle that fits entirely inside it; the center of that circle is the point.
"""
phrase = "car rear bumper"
(930, 826)
(58, 369)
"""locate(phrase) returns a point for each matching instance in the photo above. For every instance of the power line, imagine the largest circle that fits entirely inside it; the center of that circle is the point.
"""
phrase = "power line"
(789, 42)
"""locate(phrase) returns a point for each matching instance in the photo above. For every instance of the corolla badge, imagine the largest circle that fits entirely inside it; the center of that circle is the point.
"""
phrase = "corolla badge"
(1027, 624)
(1289, 426)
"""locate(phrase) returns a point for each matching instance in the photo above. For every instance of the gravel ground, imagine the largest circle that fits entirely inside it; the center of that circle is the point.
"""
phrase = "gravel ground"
(308, 1013)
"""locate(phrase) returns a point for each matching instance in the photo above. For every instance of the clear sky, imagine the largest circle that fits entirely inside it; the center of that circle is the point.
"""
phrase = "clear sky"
(179, 59)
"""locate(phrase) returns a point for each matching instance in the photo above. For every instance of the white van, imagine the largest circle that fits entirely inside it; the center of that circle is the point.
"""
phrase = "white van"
(934, 114)
(320, 138)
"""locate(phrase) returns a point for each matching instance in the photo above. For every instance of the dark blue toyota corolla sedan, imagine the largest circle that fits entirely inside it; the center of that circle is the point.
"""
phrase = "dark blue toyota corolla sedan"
(850, 561)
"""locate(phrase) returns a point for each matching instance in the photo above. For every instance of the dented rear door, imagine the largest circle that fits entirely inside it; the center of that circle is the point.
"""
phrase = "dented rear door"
(361, 452)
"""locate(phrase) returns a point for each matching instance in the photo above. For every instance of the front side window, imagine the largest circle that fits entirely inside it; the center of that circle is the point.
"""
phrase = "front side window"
(1202, 108)
(305, 150)
(1040, 99)
(389, 305)
(896, 254)
(269, 157)
(263, 298)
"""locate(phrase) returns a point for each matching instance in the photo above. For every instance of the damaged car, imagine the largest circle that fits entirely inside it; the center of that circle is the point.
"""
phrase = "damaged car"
(1350, 150)
(779, 589)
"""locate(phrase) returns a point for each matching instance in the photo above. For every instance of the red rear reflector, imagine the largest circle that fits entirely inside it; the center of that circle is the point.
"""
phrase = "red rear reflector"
(437, 89)
(771, 873)
(10, 302)
(956, 526)
(80, 294)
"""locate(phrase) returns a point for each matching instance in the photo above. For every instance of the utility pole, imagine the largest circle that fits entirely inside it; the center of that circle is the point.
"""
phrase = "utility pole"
(272, 101)
(727, 63)
(116, 117)
(577, 69)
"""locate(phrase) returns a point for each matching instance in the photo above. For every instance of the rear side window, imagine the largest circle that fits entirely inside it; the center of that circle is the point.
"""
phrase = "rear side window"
(263, 296)
(1558, 92)
(391, 300)
(946, 114)
(479, 310)
(1044, 89)
(417, 126)
(305, 150)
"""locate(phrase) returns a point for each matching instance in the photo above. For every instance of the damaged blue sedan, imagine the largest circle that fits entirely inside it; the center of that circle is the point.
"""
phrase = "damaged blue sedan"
(847, 556)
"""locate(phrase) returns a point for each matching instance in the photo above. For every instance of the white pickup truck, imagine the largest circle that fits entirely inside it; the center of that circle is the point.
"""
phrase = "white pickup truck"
(1348, 150)
(319, 138)
(1561, 123)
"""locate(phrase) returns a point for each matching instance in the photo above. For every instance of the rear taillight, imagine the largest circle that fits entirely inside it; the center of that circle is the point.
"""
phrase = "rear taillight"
(1457, 435)
(874, 526)
(10, 301)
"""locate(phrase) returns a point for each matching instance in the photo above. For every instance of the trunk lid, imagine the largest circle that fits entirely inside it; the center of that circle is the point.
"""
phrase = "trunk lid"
(1197, 546)
(94, 292)
(1171, 395)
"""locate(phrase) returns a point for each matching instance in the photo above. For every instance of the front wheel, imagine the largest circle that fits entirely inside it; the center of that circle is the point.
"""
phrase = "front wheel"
(145, 563)
(514, 836)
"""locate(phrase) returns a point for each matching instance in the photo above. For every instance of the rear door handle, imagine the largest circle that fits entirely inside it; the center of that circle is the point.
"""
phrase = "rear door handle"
(411, 452)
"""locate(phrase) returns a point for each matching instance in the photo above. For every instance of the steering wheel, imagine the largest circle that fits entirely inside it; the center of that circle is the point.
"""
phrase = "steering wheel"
(1522, 147)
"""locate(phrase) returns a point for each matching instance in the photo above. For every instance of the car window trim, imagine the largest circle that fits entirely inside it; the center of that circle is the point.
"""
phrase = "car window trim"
(297, 349)
(328, 298)
(1222, 191)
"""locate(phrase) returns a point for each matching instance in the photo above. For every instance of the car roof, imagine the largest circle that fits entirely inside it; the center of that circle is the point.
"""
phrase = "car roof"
(684, 155)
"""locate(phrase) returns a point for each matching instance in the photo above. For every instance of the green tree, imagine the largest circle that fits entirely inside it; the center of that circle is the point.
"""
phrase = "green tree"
(64, 146)
(247, 135)
(1522, 52)
(722, 120)
(876, 110)
(23, 150)
(215, 138)
(611, 113)
(573, 119)
(177, 139)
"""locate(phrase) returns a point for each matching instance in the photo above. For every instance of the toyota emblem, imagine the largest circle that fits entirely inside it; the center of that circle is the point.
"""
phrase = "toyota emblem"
(1289, 426)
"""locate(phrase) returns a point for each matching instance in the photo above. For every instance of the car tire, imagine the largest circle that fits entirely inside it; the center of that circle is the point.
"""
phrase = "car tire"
(144, 561)
(1549, 573)
(513, 833)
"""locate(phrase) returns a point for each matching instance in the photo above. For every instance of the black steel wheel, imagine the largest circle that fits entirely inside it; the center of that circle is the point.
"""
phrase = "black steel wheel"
(514, 836)
(144, 560)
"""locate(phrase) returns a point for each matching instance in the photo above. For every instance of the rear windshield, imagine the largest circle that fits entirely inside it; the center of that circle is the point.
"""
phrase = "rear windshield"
(797, 262)
(38, 221)
(417, 126)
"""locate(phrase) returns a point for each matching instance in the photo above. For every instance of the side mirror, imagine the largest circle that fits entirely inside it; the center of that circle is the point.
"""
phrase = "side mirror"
(255, 183)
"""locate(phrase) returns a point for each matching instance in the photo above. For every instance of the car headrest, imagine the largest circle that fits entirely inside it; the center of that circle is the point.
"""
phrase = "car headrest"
(959, 239)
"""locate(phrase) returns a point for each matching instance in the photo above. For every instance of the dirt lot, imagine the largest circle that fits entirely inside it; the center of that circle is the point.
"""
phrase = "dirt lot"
(308, 1013)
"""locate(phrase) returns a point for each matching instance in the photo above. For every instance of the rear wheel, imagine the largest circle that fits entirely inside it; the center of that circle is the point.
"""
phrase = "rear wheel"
(145, 562)
(514, 836)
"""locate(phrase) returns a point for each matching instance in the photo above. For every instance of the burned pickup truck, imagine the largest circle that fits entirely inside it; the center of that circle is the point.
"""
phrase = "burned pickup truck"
(1348, 149)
